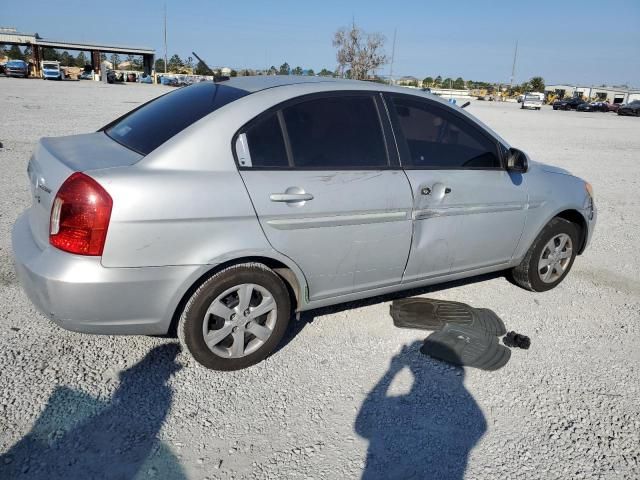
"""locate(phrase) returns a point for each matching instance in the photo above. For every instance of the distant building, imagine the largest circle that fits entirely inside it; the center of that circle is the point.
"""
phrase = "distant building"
(609, 94)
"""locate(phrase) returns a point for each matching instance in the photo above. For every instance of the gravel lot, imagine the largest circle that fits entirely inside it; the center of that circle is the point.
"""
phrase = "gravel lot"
(350, 395)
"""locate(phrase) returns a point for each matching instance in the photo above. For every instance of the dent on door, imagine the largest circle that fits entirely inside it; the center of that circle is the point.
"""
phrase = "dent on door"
(347, 230)
(431, 252)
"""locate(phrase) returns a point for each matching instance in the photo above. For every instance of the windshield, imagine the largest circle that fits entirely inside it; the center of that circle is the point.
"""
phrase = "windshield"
(50, 66)
(146, 128)
(15, 63)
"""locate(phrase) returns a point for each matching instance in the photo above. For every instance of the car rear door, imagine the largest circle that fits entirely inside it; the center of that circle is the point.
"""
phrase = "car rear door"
(469, 211)
(328, 192)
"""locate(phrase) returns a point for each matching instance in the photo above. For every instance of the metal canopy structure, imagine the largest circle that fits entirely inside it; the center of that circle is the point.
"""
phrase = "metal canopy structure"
(12, 37)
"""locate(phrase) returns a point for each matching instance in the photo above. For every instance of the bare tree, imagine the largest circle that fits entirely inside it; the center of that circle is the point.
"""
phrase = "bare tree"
(359, 53)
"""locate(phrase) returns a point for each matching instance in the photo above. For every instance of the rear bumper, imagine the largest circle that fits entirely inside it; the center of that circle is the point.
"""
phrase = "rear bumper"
(79, 294)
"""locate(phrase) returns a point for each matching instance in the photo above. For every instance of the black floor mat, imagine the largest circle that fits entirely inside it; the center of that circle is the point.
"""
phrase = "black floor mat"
(466, 346)
(429, 314)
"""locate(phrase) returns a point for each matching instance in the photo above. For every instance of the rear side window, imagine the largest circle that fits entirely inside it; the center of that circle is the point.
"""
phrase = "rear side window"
(439, 139)
(335, 133)
(266, 143)
(146, 128)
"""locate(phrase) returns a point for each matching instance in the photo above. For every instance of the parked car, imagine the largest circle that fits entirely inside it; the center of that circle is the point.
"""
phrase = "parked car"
(86, 75)
(631, 108)
(567, 104)
(613, 107)
(16, 68)
(266, 196)
(51, 70)
(593, 107)
(533, 100)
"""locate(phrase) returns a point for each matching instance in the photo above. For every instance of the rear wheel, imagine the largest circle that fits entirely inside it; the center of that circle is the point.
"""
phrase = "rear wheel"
(550, 258)
(236, 318)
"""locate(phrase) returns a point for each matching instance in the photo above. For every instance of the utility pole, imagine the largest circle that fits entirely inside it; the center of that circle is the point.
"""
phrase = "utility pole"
(393, 53)
(165, 38)
(513, 68)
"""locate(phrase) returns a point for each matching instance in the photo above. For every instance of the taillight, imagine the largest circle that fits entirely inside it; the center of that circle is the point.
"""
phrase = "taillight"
(80, 216)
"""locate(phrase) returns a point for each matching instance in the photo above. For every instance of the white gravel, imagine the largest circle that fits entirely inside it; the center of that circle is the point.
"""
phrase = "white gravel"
(349, 395)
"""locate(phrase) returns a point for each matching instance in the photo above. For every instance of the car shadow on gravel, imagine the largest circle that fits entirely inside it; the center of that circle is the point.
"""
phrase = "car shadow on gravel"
(426, 433)
(308, 317)
(78, 436)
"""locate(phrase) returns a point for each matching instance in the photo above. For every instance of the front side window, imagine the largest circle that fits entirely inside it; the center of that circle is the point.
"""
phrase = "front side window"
(439, 139)
(335, 133)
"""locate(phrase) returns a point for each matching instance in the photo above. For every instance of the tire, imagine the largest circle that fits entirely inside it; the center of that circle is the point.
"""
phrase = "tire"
(530, 275)
(224, 292)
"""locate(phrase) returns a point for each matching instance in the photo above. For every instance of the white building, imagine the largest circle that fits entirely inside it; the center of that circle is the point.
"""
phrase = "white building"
(610, 94)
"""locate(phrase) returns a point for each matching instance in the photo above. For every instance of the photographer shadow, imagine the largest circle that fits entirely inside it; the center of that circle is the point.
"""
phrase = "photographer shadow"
(426, 433)
(78, 436)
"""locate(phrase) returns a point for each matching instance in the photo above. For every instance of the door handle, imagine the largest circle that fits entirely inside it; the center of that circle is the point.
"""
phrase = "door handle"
(290, 197)
(438, 189)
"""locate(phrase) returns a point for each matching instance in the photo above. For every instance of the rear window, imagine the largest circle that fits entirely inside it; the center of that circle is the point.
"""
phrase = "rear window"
(149, 126)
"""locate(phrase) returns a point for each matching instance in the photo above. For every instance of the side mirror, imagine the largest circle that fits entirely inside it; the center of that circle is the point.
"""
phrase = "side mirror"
(517, 161)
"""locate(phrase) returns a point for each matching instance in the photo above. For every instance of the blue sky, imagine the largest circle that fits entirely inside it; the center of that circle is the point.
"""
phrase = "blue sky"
(564, 41)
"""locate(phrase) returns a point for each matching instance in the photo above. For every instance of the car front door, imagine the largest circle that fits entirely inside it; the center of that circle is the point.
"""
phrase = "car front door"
(328, 192)
(469, 212)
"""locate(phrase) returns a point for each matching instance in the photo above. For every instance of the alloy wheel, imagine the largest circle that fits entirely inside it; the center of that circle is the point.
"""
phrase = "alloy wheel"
(555, 258)
(240, 320)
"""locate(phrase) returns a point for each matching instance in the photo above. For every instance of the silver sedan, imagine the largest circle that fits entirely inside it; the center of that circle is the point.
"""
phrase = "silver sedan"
(221, 209)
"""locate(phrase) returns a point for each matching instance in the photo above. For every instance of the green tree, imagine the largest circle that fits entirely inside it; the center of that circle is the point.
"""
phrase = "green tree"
(115, 60)
(27, 53)
(458, 83)
(189, 64)
(234, 73)
(438, 81)
(310, 72)
(284, 69)
(14, 53)
(67, 60)
(325, 73)
(427, 82)
(137, 64)
(159, 65)
(447, 83)
(297, 71)
(201, 69)
(175, 64)
(272, 70)
(81, 60)
(525, 87)
(537, 84)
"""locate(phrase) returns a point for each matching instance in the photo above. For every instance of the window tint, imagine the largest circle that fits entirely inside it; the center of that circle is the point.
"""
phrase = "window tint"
(266, 144)
(336, 132)
(438, 139)
(149, 126)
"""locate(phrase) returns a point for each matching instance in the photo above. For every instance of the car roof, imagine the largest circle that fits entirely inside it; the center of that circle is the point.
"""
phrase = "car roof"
(259, 83)
(262, 82)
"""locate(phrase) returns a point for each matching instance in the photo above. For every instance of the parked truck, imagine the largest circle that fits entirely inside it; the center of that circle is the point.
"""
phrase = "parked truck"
(51, 70)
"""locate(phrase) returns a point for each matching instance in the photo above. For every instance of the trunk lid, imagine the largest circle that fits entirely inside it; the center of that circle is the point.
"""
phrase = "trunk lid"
(55, 159)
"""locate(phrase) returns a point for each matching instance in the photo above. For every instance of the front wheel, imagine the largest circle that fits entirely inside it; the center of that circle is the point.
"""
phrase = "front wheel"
(550, 258)
(236, 318)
